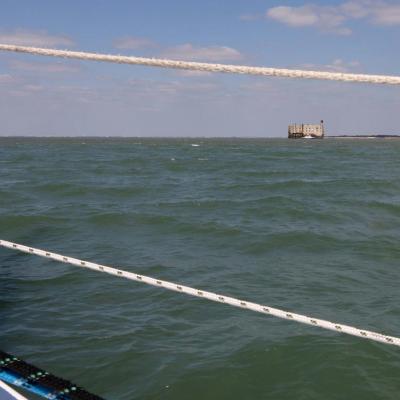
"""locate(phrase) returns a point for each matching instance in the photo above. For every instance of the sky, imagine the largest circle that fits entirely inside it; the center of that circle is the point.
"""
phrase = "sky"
(42, 96)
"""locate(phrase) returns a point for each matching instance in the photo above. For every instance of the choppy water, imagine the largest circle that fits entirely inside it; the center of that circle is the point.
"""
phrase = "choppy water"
(308, 226)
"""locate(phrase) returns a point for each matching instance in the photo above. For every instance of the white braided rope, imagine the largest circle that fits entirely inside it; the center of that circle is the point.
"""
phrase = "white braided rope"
(207, 295)
(7, 392)
(208, 67)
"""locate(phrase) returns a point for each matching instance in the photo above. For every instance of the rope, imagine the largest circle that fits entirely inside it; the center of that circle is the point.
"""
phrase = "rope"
(12, 394)
(197, 66)
(332, 326)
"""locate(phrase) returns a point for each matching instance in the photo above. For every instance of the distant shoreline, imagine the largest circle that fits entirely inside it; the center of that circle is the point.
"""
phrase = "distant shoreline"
(189, 138)
(363, 137)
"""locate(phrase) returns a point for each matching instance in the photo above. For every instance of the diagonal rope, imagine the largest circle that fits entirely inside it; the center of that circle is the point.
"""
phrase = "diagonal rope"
(207, 67)
(9, 392)
(332, 326)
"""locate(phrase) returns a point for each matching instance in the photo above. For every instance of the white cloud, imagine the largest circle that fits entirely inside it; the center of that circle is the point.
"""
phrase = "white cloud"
(154, 88)
(333, 18)
(33, 88)
(337, 65)
(356, 8)
(133, 43)
(40, 38)
(389, 15)
(54, 67)
(379, 12)
(6, 78)
(185, 51)
(325, 18)
(212, 53)
(192, 74)
(294, 16)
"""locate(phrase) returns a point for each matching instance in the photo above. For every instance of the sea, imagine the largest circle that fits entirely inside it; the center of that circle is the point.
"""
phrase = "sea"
(308, 226)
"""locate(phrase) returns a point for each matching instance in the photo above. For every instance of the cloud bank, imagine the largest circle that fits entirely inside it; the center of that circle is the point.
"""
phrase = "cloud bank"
(133, 43)
(190, 52)
(41, 38)
(333, 18)
(186, 51)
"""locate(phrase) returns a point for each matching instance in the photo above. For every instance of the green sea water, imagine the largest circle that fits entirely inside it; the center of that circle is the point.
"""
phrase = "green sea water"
(308, 226)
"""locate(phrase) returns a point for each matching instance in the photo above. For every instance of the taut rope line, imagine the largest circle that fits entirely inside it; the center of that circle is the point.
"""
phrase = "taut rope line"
(208, 67)
(207, 295)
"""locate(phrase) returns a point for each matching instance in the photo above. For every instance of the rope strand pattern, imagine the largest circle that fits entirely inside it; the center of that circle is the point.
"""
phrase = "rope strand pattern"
(207, 67)
(332, 326)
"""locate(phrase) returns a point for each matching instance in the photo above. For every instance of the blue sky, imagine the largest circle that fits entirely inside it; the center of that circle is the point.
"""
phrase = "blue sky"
(41, 96)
